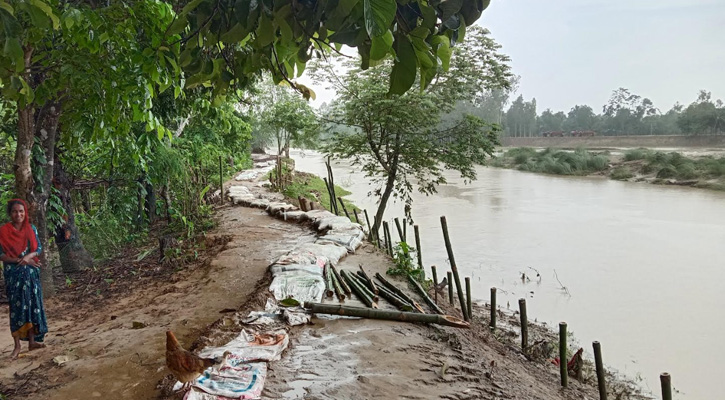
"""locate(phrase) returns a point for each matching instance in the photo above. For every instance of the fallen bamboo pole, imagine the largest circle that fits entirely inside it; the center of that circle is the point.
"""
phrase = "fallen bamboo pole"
(435, 283)
(562, 355)
(450, 288)
(335, 309)
(454, 269)
(666, 383)
(601, 383)
(328, 281)
(369, 281)
(359, 292)
(468, 297)
(492, 324)
(524, 326)
(344, 285)
(338, 288)
(399, 292)
(424, 295)
(417, 246)
(360, 283)
(401, 235)
(387, 294)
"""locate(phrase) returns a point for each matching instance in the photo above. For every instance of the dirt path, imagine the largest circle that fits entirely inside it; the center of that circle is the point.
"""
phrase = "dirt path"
(108, 357)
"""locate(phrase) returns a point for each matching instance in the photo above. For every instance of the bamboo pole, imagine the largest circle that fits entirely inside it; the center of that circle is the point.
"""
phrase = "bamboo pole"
(388, 295)
(338, 288)
(399, 292)
(328, 281)
(335, 309)
(492, 325)
(386, 227)
(369, 281)
(600, 371)
(344, 285)
(357, 218)
(359, 292)
(333, 203)
(344, 208)
(385, 238)
(450, 288)
(417, 247)
(362, 285)
(424, 295)
(401, 235)
(371, 235)
(435, 283)
(221, 181)
(524, 326)
(454, 269)
(666, 383)
(333, 195)
(405, 230)
(468, 297)
(562, 355)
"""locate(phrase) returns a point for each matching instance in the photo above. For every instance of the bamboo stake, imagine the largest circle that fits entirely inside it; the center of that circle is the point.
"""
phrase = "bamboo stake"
(666, 383)
(344, 285)
(370, 282)
(362, 286)
(424, 295)
(562, 355)
(328, 280)
(333, 205)
(401, 235)
(357, 219)
(600, 371)
(417, 247)
(492, 325)
(335, 309)
(338, 288)
(221, 181)
(468, 297)
(399, 292)
(388, 295)
(435, 283)
(386, 227)
(359, 292)
(344, 208)
(385, 238)
(524, 326)
(450, 288)
(405, 231)
(454, 269)
(371, 234)
(333, 195)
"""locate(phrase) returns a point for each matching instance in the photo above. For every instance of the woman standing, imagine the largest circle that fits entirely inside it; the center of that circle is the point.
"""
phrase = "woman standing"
(19, 249)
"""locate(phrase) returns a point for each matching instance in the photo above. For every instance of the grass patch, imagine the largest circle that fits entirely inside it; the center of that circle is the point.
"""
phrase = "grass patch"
(313, 188)
(557, 162)
(621, 173)
(636, 154)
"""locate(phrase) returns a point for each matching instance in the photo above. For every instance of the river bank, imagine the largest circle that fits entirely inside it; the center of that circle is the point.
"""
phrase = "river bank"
(701, 169)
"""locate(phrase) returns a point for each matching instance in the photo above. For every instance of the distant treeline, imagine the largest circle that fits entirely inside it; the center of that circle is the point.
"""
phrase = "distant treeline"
(624, 114)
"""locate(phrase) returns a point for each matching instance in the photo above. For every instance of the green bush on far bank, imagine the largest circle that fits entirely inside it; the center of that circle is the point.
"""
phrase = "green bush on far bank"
(557, 162)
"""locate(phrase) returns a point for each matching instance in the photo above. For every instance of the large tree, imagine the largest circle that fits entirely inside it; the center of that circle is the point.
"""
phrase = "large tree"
(405, 141)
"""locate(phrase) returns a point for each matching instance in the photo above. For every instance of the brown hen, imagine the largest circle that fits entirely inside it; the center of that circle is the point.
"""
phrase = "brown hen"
(186, 365)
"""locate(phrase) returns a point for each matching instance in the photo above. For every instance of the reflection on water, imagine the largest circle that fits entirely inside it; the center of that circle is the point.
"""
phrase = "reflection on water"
(643, 264)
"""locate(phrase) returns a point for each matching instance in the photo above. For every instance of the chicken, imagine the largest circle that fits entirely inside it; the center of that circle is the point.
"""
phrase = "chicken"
(185, 365)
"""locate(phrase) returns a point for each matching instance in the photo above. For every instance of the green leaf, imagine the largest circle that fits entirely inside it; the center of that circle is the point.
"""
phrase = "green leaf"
(7, 7)
(405, 66)
(265, 31)
(234, 35)
(381, 46)
(448, 8)
(189, 7)
(289, 302)
(379, 15)
(48, 11)
(178, 26)
(14, 51)
(442, 48)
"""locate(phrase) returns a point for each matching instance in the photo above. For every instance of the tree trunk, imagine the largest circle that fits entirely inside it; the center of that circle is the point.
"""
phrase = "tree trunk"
(73, 255)
(86, 200)
(389, 186)
(47, 130)
(21, 167)
(150, 203)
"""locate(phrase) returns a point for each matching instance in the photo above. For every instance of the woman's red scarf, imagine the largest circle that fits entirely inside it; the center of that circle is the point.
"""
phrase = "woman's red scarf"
(13, 241)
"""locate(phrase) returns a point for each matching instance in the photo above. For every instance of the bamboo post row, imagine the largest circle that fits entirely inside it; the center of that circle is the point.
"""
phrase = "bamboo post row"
(454, 269)
(424, 295)
(221, 181)
(320, 308)
(468, 297)
(331, 187)
(601, 383)
(562, 355)
(399, 292)
(417, 248)
(401, 235)
(524, 326)
(435, 283)
(492, 324)
(386, 226)
(450, 288)
(666, 383)
(344, 285)
(333, 203)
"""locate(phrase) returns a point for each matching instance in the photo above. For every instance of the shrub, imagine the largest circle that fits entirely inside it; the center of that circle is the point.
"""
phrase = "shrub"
(636, 154)
(667, 172)
(621, 173)
(687, 171)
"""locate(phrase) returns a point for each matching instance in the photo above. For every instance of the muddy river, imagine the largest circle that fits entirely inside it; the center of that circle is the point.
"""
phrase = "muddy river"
(638, 267)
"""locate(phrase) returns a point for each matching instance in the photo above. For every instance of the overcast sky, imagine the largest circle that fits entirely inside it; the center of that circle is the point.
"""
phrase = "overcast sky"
(570, 52)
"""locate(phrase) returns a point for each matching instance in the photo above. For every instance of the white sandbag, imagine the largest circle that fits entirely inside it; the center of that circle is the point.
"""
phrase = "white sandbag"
(250, 346)
(248, 175)
(277, 269)
(238, 190)
(295, 215)
(350, 239)
(301, 286)
(259, 203)
(314, 215)
(332, 252)
(275, 208)
(244, 381)
(299, 256)
(336, 223)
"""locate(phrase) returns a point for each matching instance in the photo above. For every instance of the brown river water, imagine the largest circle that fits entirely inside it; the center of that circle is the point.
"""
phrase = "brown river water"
(643, 265)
